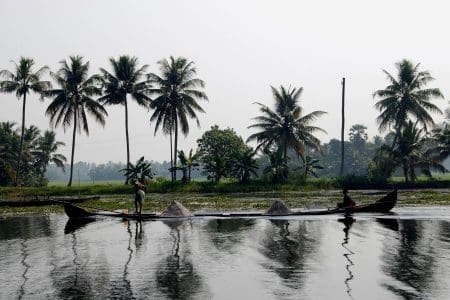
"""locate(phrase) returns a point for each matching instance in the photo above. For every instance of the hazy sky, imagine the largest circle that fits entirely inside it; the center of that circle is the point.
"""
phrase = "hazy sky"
(240, 48)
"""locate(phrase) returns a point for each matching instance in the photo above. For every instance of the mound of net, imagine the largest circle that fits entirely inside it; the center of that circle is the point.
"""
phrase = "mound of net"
(278, 208)
(176, 209)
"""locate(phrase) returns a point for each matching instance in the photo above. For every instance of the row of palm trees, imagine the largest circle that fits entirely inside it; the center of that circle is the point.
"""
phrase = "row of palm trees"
(173, 95)
(76, 95)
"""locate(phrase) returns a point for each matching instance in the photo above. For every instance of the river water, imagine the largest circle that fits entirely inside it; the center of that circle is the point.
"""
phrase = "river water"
(405, 255)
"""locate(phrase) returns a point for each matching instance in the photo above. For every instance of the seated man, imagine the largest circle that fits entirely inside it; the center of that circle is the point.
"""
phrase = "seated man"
(347, 202)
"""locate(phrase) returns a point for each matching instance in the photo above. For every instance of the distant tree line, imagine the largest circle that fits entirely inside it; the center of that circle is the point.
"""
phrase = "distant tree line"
(287, 147)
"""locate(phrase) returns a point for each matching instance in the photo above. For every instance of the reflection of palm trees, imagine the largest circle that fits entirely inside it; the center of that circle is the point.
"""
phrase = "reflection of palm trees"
(122, 290)
(348, 221)
(411, 261)
(26, 268)
(176, 276)
(288, 249)
(230, 231)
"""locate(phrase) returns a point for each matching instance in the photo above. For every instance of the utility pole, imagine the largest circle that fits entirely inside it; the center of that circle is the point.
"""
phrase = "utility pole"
(342, 127)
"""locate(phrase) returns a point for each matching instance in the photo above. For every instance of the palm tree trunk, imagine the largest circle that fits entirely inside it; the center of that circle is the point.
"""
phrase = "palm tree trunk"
(341, 172)
(73, 144)
(19, 158)
(175, 149)
(127, 137)
(171, 155)
(405, 171)
(189, 174)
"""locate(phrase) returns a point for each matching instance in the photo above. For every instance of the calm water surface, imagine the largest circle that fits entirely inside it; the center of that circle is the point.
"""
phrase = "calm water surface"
(405, 255)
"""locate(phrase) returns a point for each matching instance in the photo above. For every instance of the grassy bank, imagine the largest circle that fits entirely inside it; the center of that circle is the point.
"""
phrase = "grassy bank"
(243, 201)
(225, 187)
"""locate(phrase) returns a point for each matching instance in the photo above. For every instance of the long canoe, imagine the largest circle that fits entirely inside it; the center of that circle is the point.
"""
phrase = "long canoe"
(383, 205)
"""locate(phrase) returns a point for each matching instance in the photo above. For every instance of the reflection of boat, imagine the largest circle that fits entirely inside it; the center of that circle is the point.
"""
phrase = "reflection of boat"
(75, 224)
(383, 205)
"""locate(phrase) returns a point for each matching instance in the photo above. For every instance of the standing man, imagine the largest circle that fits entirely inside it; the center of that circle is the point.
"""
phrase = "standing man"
(139, 196)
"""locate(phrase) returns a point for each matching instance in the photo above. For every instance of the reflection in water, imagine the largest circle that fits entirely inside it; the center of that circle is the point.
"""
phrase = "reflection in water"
(122, 289)
(75, 224)
(348, 222)
(391, 224)
(176, 276)
(25, 227)
(299, 258)
(288, 248)
(411, 262)
(72, 279)
(139, 236)
(225, 234)
(25, 270)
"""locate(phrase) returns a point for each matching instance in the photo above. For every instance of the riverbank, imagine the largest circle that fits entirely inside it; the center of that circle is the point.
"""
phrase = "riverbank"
(245, 201)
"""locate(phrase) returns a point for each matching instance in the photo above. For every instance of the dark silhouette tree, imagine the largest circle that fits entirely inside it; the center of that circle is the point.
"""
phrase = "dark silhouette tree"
(177, 92)
(73, 100)
(126, 78)
(406, 98)
(22, 81)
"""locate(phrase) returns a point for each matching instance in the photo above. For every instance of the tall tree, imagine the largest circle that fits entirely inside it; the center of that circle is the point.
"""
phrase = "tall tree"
(286, 126)
(177, 92)
(406, 98)
(73, 100)
(22, 81)
(126, 78)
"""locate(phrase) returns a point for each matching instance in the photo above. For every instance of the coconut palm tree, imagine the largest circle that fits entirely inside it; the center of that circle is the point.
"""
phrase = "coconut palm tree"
(22, 81)
(126, 78)
(286, 126)
(177, 92)
(410, 153)
(406, 98)
(73, 100)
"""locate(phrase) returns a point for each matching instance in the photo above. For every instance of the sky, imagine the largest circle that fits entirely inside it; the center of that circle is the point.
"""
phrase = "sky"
(240, 48)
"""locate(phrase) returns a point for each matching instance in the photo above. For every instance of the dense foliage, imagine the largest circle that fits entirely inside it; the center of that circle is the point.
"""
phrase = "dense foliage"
(39, 151)
(287, 149)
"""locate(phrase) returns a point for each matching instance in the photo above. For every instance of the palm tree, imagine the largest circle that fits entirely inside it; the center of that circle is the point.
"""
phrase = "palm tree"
(22, 82)
(286, 126)
(176, 99)
(410, 153)
(73, 100)
(127, 78)
(187, 163)
(45, 153)
(406, 98)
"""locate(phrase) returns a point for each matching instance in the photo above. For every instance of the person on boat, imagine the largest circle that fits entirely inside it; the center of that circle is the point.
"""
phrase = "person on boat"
(139, 196)
(347, 201)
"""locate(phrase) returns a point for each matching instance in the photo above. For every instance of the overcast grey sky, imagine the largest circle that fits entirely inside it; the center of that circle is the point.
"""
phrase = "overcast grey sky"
(240, 49)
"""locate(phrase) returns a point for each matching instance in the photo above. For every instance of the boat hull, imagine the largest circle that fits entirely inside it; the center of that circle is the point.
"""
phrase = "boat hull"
(383, 205)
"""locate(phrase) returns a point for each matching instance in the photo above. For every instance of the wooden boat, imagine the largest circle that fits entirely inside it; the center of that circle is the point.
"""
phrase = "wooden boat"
(36, 201)
(383, 205)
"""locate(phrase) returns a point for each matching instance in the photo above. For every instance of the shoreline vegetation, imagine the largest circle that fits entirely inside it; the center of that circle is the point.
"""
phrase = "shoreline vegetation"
(226, 196)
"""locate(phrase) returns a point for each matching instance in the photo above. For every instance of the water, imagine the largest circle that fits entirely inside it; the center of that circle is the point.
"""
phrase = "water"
(401, 256)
